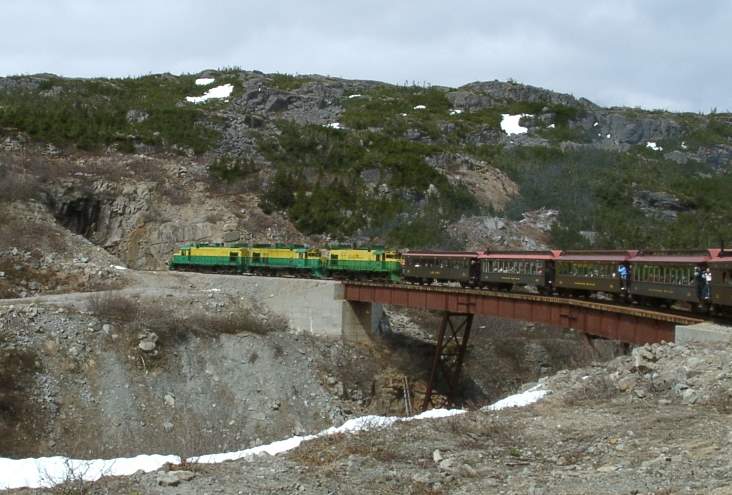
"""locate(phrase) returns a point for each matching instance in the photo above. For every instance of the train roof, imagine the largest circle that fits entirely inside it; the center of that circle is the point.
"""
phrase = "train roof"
(721, 262)
(442, 254)
(520, 255)
(724, 257)
(600, 256)
(695, 257)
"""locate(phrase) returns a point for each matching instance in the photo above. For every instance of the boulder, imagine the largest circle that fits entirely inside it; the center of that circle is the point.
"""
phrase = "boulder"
(136, 116)
(174, 478)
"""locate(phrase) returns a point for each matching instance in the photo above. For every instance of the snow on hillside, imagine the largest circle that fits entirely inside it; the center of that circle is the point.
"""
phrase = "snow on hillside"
(530, 396)
(510, 123)
(223, 91)
(50, 471)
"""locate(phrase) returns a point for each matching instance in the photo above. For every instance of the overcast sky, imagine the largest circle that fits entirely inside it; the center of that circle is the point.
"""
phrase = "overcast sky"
(669, 54)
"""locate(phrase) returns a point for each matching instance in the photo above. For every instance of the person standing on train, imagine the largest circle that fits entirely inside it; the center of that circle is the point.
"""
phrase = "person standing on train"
(707, 284)
(699, 282)
(623, 275)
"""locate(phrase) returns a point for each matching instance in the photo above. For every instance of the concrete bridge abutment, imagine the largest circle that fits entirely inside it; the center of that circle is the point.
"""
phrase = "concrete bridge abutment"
(319, 308)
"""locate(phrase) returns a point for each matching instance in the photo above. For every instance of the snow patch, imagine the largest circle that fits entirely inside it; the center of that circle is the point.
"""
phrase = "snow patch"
(532, 395)
(49, 471)
(334, 125)
(204, 81)
(351, 426)
(403, 114)
(455, 111)
(354, 96)
(510, 123)
(607, 136)
(118, 267)
(653, 146)
(595, 124)
(223, 91)
(551, 126)
(684, 146)
(420, 107)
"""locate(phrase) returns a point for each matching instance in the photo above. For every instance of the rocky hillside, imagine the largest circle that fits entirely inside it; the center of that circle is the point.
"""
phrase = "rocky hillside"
(136, 165)
(654, 422)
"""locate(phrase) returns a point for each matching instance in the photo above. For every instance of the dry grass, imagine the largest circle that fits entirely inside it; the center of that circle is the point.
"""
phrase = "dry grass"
(17, 186)
(172, 326)
(19, 231)
(474, 431)
(593, 390)
(16, 281)
(115, 307)
(333, 448)
(20, 419)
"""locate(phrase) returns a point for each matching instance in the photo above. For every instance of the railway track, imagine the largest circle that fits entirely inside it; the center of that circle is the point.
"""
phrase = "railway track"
(672, 316)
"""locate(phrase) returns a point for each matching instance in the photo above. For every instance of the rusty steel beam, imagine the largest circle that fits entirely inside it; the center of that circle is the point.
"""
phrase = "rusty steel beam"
(452, 342)
(625, 323)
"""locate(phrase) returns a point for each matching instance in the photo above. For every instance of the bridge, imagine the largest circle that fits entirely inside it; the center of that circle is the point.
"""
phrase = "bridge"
(630, 324)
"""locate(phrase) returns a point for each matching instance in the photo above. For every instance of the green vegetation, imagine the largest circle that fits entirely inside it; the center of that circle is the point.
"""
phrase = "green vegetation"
(287, 82)
(594, 191)
(92, 113)
(372, 180)
(716, 130)
(383, 106)
(229, 169)
(322, 181)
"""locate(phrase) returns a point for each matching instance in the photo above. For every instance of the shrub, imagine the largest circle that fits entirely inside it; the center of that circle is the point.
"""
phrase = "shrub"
(229, 169)
(90, 114)
(113, 306)
(594, 389)
(318, 183)
(17, 187)
(288, 82)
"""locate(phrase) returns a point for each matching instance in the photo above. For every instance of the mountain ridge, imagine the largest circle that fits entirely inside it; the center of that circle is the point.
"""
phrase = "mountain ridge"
(362, 160)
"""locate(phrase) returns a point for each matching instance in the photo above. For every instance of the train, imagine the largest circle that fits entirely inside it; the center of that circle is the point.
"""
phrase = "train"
(701, 280)
(340, 262)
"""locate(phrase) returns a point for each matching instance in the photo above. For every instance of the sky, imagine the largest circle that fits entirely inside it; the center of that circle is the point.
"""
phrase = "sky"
(656, 54)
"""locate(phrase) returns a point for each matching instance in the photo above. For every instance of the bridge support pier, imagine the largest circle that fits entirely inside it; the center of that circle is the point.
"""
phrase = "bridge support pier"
(452, 341)
(360, 320)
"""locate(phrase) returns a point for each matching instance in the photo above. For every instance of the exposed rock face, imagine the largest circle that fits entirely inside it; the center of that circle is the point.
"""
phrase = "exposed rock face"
(136, 116)
(660, 205)
(627, 130)
(480, 95)
(488, 184)
(529, 233)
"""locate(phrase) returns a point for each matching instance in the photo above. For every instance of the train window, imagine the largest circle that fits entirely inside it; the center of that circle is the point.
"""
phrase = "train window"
(539, 268)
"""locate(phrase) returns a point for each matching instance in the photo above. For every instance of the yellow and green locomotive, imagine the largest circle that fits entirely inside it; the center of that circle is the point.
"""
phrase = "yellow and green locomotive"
(343, 262)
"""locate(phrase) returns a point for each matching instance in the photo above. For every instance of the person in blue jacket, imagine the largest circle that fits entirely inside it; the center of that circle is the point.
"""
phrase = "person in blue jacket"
(624, 275)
